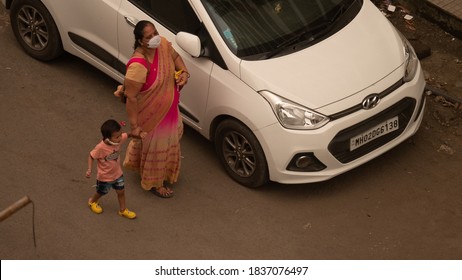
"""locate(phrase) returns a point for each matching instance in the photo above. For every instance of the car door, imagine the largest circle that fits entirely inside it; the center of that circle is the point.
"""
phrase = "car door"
(88, 29)
(170, 17)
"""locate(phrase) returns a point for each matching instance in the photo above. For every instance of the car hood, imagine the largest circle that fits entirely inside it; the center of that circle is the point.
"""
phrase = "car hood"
(362, 53)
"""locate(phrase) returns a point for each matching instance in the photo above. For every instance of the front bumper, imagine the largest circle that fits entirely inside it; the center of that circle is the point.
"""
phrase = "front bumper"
(331, 143)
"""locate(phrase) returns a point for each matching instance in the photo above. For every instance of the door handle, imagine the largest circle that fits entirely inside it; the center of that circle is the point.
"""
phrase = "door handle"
(130, 21)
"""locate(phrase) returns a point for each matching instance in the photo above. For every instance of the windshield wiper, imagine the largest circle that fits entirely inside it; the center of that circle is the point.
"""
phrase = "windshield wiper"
(342, 8)
(337, 14)
(324, 28)
(298, 37)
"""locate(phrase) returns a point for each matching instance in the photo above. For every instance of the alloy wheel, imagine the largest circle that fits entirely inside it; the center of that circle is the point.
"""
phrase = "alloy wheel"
(239, 154)
(32, 28)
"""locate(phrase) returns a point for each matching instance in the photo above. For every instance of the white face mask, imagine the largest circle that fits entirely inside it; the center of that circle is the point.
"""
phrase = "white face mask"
(110, 142)
(154, 42)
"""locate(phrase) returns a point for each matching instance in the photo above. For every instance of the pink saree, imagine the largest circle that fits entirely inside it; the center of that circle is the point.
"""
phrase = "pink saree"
(157, 156)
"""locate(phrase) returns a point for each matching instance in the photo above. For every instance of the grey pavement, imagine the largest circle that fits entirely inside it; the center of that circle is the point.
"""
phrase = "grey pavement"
(446, 13)
(452, 7)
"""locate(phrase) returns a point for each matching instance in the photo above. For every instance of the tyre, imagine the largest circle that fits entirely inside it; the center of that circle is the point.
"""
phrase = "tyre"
(35, 29)
(241, 154)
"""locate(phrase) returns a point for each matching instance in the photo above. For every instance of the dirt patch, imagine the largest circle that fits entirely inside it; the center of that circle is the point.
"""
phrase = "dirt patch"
(441, 58)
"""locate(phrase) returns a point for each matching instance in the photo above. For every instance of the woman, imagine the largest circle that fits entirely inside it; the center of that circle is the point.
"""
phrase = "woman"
(152, 92)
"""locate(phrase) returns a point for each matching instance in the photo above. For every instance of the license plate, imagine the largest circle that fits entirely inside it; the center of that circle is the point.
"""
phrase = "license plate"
(374, 133)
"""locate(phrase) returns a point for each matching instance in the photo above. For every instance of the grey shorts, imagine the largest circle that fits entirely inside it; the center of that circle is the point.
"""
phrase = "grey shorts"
(104, 187)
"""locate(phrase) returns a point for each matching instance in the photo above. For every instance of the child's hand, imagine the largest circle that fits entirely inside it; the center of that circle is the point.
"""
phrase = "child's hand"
(88, 173)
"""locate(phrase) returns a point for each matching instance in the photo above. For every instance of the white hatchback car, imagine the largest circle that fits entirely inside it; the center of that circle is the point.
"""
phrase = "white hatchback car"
(293, 91)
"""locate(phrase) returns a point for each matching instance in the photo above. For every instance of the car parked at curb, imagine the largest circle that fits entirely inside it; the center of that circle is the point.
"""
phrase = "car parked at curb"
(291, 91)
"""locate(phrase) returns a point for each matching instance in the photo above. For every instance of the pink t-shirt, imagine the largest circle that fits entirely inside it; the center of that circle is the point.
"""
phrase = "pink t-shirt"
(108, 158)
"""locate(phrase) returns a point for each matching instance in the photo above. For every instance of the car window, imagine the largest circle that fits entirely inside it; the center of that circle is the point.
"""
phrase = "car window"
(254, 27)
(176, 15)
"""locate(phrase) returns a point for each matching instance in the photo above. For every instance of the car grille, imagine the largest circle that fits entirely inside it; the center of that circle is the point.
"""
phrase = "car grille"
(358, 107)
(339, 147)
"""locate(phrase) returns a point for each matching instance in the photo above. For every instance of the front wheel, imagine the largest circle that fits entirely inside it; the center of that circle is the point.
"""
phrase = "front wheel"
(35, 29)
(241, 154)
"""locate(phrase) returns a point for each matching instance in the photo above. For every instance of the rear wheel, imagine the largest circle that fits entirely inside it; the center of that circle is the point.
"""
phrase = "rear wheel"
(35, 29)
(241, 154)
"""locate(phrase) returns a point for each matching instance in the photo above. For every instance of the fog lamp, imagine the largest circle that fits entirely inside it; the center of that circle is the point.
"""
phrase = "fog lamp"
(305, 162)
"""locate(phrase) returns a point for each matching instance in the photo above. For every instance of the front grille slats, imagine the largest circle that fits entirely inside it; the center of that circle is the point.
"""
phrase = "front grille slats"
(339, 147)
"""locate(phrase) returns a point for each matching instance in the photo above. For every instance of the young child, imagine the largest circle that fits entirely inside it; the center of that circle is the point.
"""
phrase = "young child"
(110, 173)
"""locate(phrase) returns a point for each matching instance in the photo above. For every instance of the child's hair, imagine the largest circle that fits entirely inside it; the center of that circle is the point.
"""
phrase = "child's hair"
(109, 127)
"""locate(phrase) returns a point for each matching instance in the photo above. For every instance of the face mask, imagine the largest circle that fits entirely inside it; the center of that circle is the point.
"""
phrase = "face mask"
(110, 142)
(154, 42)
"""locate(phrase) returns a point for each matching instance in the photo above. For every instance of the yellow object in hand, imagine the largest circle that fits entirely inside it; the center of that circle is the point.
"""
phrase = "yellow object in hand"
(178, 73)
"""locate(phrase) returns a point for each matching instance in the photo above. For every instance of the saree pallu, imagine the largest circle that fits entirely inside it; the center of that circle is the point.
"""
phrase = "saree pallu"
(157, 156)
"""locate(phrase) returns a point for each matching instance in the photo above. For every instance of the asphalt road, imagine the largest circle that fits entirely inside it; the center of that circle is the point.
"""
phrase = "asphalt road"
(405, 204)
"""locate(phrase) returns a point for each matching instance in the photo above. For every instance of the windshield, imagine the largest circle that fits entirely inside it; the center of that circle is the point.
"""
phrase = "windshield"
(256, 29)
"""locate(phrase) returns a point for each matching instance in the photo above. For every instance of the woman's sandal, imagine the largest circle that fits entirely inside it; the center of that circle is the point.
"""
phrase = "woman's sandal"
(166, 193)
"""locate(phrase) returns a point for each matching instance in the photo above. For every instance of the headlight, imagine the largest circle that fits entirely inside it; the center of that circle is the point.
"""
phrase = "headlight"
(411, 61)
(292, 115)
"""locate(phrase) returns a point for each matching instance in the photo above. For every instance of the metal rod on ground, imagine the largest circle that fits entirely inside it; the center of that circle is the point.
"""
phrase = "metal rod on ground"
(436, 91)
(14, 207)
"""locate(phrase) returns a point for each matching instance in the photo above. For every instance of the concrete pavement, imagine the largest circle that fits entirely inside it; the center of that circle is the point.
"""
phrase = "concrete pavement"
(446, 13)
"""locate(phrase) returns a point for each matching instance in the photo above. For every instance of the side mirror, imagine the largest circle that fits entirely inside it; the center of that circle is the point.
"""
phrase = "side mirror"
(189, 43)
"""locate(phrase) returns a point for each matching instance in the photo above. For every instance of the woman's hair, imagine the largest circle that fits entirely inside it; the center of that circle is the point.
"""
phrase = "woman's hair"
(138, 31)
(109, 127)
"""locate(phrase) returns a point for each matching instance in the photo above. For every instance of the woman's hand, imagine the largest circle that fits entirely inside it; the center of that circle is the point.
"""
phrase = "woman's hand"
(182, 78)
(137, 133)
(182, 75)
(119, 91)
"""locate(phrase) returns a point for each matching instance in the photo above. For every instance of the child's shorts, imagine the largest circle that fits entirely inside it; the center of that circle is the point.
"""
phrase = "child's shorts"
(104, 187)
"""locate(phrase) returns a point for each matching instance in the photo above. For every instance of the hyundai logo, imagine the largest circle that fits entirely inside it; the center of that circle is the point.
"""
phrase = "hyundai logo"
(370, 101)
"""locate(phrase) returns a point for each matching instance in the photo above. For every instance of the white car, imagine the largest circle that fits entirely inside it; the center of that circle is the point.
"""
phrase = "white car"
(293, 91)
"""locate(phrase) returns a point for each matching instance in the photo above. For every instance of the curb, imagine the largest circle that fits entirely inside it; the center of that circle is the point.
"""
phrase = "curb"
(443, 18)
